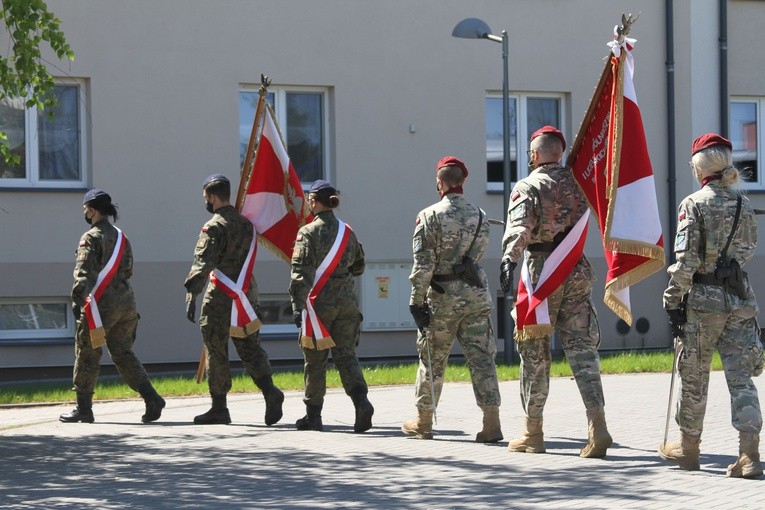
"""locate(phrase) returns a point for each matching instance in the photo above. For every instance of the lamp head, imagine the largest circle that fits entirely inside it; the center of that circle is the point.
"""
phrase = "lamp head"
(471, 28)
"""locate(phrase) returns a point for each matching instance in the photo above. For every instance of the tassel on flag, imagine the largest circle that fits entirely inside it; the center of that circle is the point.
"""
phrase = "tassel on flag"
(610, 162)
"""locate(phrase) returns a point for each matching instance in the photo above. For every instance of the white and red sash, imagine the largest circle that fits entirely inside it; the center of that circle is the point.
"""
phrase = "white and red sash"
(95, 326)
(532, 315)
(244, 320)
(311, 322)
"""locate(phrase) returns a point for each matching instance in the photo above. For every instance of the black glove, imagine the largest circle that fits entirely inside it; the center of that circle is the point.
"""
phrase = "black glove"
(191, 309)
(677, 319)
(297, 318)
(506, 269)
(76, 311)
(421, 315)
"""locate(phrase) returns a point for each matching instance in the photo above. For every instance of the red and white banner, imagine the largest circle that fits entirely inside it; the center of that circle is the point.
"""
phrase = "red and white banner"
(311, 322)
(244, 320)
(610, 161)
(274, 200)
(95, 326)
(532, 318)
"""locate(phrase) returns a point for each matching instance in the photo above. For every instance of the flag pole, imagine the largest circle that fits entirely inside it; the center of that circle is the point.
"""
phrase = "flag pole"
(243, 182)
(250, 154)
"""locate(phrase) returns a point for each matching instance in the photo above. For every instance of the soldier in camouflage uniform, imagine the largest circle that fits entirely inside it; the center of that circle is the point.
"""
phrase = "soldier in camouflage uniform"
(708, 312)
(335, 305)
(223, 244)
(446, 303)
(117, 311)
(543, 208)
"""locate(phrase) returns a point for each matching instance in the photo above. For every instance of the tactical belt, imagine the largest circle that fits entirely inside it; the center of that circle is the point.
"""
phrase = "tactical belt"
(449, 277)
(708, 279)
(549, 247)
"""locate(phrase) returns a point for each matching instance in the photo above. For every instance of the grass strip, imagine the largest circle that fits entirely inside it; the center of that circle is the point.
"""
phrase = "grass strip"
(632, 362)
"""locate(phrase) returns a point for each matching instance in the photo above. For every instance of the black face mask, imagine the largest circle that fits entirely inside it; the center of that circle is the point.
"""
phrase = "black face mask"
(209, 207)
(89, 221)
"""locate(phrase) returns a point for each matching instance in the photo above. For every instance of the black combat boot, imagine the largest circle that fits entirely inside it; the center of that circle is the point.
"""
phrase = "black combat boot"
(364, 410)
(217, 415)
(312, 418)
(273, 397)
(154, 403)
(82, 413)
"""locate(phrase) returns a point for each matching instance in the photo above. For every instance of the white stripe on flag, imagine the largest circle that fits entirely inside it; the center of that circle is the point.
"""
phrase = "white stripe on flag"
(270, 132)
(636, 212)
(264, 209)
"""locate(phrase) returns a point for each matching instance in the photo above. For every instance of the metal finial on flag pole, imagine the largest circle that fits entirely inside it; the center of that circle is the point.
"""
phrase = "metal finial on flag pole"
(623, 30)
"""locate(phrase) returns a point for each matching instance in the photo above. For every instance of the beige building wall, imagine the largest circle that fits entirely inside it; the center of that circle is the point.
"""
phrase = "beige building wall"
(162, 82)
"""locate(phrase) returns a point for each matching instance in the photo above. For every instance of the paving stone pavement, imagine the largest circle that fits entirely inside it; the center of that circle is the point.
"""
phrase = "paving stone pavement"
(118, 463)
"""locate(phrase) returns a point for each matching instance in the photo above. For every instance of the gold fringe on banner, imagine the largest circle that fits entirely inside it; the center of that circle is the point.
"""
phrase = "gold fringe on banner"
(306, 342)
(251, 327)
(324, 343)
(533, 331)
(97, 337)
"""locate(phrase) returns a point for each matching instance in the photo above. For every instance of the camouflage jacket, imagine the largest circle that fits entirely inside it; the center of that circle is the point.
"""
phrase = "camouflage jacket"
(542, 206)
(442, 235)
(95, 248)
(223, 244)
(312, 245)
(704, 222)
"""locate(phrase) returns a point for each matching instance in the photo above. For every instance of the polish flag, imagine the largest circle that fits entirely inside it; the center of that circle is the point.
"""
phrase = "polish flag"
(274, 200)
(610, 161)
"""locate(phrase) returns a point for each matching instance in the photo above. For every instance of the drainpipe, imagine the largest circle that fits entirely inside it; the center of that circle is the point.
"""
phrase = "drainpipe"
(671, 153)
(724, 68)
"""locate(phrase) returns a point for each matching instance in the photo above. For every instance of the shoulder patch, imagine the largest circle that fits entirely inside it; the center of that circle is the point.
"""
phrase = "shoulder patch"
(681, 241)
(515, 195)
(204, 229)
(299, 237)
(83, 243)
(417, 221)
(681, 216)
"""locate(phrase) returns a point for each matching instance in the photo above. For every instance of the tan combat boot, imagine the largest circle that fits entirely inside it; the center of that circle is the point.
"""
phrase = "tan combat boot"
(422, 427)
(748, 463)
(685, 453)
(598, 438)
(491, 432)
(532, 440)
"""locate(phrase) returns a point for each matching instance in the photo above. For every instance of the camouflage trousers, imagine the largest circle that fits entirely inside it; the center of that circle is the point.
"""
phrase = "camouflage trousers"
(732, 336)
(573, 318)
(120, 327)
(343, 325)
(215, 334)
(475, 335)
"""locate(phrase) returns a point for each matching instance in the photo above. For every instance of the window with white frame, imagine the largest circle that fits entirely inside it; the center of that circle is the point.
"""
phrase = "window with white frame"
(301, 113)
(51, 149)
(528, 112)
(275, 312)
(747, 139)
(35, 319)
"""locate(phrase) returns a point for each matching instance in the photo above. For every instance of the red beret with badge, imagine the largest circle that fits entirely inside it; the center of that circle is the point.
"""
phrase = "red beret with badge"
(452, 161)
(549, 130)
(709, 140)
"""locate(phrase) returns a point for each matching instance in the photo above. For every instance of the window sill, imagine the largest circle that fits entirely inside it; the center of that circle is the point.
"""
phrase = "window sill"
(43, 189)
(34, 342)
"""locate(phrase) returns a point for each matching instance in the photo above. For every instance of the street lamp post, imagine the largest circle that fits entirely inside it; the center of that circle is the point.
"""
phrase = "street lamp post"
(474, 28)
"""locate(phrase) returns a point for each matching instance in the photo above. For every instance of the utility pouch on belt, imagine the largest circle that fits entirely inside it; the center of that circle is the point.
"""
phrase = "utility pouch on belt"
(727, 268)
(468, 272)
(729, 271)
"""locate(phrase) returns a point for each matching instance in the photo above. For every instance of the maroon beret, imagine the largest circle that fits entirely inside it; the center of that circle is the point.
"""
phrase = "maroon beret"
(709, 140)
(549, 130)
(452, 161)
